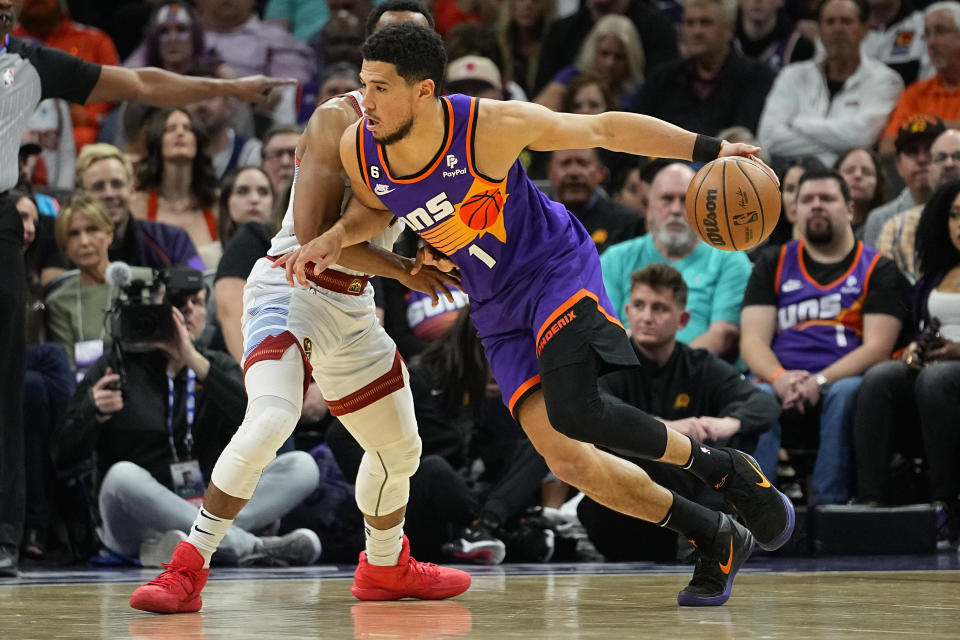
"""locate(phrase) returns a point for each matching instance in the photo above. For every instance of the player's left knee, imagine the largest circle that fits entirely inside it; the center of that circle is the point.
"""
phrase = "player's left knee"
(575, 415)
(383, 481)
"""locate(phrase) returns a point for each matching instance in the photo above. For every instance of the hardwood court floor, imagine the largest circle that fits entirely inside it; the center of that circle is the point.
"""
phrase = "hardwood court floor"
(796, 600)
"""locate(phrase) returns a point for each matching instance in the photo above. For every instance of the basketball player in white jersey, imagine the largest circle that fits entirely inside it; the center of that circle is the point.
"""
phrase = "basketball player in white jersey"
(328, 329)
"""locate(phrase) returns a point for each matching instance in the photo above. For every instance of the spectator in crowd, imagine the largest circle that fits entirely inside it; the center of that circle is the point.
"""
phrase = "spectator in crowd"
(896, 39)
(785, 230)
(897, 238)
(692, 391)
(226, 147)
(144, 439)
(337, 79)
(766, 33)
(630, 189)
(76, 308)
(716, 278)
(923, 385)
(48, 23)
(613, 53)
(565, 37)
(825, 107)
(714, 86)
(576, 176)
(176, 182)
(862, 171)
(246, 195)
(51, 129)
(587, 94)
(521, 29)
(279, 155)
(302, 19)
(938, 95)
(474, 76)
(173, 40)
(43, 259)
(473, 39)
(817, 313)
(48, 385)
(250, 46)
(340, 39)
(913, 164)
(105, 172)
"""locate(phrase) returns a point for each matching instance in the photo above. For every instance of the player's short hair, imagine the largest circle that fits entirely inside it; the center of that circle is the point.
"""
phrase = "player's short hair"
(413, 6)
(863, 10)
(662, 276)
(94, 153)
(417, 53)
(88, 206)
(826, 174)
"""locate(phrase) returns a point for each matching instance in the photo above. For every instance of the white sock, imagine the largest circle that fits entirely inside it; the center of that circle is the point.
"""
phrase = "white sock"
(384, 546)
(206, 533)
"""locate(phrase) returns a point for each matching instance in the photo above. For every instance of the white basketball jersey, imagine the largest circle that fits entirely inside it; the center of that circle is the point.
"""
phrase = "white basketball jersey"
(286, 239)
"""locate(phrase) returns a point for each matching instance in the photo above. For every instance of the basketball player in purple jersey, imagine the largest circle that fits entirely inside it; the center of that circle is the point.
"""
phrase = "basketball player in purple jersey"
(448, 167)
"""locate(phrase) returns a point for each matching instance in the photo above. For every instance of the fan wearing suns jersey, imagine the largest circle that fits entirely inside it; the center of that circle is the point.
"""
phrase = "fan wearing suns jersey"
(327, 328)
(447, 166)
(817, 313)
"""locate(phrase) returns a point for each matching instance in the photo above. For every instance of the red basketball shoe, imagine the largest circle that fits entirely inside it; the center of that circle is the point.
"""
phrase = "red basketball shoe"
(176, 590)
(408, 579)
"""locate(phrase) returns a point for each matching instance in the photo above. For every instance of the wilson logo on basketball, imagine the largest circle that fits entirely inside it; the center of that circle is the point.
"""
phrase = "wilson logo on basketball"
(710, 225)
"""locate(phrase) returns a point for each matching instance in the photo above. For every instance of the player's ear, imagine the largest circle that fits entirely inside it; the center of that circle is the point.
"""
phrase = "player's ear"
(428, 89)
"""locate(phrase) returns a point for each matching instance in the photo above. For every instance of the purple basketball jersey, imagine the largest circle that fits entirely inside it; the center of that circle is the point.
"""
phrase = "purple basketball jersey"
(819, 324)
(521, 255)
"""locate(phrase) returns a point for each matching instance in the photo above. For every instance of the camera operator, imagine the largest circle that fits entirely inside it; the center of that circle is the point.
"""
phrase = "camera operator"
(156, 432)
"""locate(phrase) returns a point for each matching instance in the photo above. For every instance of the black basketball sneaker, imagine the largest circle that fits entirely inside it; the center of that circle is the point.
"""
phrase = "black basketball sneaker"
(765, 511)
(717, 564)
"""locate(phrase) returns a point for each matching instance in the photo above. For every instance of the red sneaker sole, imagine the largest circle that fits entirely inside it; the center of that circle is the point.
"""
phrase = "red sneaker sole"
(146, 604)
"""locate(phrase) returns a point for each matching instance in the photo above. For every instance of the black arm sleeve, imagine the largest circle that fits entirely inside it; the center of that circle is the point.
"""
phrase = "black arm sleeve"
(888, 291)
(63, 75)
(761, 288)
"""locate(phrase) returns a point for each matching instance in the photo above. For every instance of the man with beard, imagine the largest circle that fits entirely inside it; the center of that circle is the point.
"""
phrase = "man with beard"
(897, 238)
(228, 149)
(817, 313)
(576, 176)
(716, 278)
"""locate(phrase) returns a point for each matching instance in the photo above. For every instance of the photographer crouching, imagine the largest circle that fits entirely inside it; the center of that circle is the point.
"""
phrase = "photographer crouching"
(155, 413)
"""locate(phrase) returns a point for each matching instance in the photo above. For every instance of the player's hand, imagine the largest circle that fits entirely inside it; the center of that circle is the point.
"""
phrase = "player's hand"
(427, 256)
(433, 282)
(259, 90)
(729, 149)
(106, 401)
(316, 255)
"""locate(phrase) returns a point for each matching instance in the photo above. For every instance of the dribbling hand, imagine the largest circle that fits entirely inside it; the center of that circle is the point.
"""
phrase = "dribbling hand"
(432, 281)
(748, 151)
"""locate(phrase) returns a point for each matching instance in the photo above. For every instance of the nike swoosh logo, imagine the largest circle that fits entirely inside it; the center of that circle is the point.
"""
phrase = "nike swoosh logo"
(764, 482)
(726, 567)
(201, 530)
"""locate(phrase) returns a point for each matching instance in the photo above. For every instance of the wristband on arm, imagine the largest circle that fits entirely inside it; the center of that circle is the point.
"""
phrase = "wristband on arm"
(773, 376)
(706, 148)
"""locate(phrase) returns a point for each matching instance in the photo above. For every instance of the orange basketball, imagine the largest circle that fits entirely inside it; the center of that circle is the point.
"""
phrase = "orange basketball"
(733, 203)
(480, 211)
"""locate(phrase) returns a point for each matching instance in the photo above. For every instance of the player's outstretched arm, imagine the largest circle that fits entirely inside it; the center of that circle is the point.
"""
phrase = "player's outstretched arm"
(375, 260)
(517, 125)
(165, 89)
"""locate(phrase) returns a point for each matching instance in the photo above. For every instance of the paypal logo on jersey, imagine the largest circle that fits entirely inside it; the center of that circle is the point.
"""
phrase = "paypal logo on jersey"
(452, 162)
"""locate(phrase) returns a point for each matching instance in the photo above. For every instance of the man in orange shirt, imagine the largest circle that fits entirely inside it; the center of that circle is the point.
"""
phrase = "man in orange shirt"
(47, 22)
(939, 95)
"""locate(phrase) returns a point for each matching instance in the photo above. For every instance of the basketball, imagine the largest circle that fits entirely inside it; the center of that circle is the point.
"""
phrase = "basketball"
(480, 211)
(733, 203)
